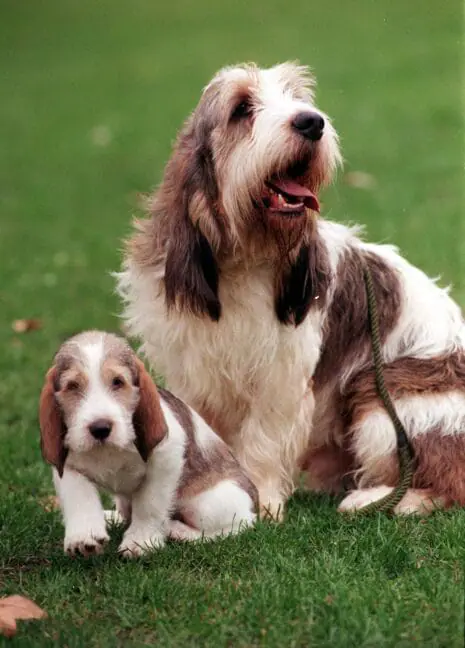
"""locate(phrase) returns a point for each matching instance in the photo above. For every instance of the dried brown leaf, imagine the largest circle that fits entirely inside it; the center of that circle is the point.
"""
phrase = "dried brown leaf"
(360, 179)
(26, 325)
(49, 503)
(17, 607)
(101, 135)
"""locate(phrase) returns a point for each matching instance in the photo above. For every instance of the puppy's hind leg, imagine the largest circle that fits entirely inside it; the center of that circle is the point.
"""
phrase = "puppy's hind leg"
(180, 531)
(222, 510)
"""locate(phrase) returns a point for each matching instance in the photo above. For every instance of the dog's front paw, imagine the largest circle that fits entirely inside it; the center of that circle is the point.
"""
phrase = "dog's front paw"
(137, 542)
(86, 542)
(362, 497)
(272, 509)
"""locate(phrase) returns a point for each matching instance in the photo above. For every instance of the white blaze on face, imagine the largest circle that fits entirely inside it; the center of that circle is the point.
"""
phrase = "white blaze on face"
(277, 105)
(98, 403)
(272, 144)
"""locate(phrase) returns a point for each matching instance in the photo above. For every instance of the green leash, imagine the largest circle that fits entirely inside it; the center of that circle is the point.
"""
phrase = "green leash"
(404, 449)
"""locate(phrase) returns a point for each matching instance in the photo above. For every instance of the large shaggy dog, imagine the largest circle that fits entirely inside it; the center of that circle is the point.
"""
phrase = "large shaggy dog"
(255, 310)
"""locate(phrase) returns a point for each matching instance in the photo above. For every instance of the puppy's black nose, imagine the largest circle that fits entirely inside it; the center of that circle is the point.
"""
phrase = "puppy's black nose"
(309, 124)
(100, 429)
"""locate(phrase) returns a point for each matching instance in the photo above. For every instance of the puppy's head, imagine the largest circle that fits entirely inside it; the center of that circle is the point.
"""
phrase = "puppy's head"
(96, 394)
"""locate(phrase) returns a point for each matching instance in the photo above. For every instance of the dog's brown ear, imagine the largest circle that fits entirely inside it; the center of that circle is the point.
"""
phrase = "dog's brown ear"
(189, 195)
(191, 272)
(305, 279)
(52, 426)
(148, 419)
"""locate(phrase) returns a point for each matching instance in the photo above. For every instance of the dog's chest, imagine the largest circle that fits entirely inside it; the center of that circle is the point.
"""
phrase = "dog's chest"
(248, 352)
(115, 470)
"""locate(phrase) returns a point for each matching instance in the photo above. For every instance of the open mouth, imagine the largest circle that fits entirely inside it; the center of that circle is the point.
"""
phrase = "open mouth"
(285, 195)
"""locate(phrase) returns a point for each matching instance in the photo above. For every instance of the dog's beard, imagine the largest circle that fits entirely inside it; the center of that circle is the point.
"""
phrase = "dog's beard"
(284, 205)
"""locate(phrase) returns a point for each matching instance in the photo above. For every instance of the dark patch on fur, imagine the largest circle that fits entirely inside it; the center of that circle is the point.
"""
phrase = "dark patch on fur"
(148, 420)
(181, 411)
(404, 377)
(347, 332)
(440, 464)
(195, 462)
(329, 467)
(304, 279)
(204, 468)
(191, 272)
(52, 426)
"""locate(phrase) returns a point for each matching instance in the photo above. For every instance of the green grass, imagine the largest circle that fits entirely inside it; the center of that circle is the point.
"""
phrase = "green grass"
(390, 75)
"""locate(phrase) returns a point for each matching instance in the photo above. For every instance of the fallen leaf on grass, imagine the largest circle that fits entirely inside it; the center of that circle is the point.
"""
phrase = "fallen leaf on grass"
(26, 325)
(17, 607)
(329, 600)
(359, 179)
(49, 503)
(101, 135)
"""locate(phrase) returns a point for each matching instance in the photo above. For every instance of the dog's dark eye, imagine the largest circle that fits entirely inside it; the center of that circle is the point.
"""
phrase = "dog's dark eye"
(117, 382)
(242, 110)
(72, 386)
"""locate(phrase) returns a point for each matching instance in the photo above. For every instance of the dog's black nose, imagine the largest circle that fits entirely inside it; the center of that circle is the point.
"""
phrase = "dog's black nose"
(100, 429)
(309, 124)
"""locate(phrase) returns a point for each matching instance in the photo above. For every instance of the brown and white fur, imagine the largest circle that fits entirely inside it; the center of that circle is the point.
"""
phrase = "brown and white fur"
(104, 424)
(255, 310)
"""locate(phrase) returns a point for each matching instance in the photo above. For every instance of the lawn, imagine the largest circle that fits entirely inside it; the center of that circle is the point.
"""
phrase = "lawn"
(92, 94)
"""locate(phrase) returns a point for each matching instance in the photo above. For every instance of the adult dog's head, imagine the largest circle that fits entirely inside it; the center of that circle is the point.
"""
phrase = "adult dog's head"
(243, 182)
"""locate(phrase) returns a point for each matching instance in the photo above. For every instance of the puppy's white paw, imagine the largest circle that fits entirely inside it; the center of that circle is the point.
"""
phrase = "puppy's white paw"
(86, 542)
(180, 531)
(137, 542)
(360, 498)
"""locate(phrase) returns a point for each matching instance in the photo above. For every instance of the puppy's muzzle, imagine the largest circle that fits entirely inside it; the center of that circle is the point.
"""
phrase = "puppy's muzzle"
(100, 429)
(309, 124)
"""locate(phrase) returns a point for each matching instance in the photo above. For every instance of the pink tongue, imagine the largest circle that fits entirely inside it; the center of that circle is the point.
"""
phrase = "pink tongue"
(296, 190)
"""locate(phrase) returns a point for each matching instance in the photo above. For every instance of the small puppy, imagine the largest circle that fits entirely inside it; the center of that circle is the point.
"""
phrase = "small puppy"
(104, 424)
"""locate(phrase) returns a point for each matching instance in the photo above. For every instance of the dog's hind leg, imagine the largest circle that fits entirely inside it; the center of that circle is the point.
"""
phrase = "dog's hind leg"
(414, 502)
(435, 424)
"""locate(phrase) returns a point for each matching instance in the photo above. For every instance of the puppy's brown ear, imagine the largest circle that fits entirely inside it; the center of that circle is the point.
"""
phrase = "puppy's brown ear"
(52, 426)
(148, 419)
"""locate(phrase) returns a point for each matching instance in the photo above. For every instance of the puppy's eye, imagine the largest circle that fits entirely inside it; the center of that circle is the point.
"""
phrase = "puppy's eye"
(117, 382)
(72, 386)
(242, 110)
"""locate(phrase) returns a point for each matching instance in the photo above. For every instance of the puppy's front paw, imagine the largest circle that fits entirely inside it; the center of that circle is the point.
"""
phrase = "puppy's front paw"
(137, 542)
(86, 542)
